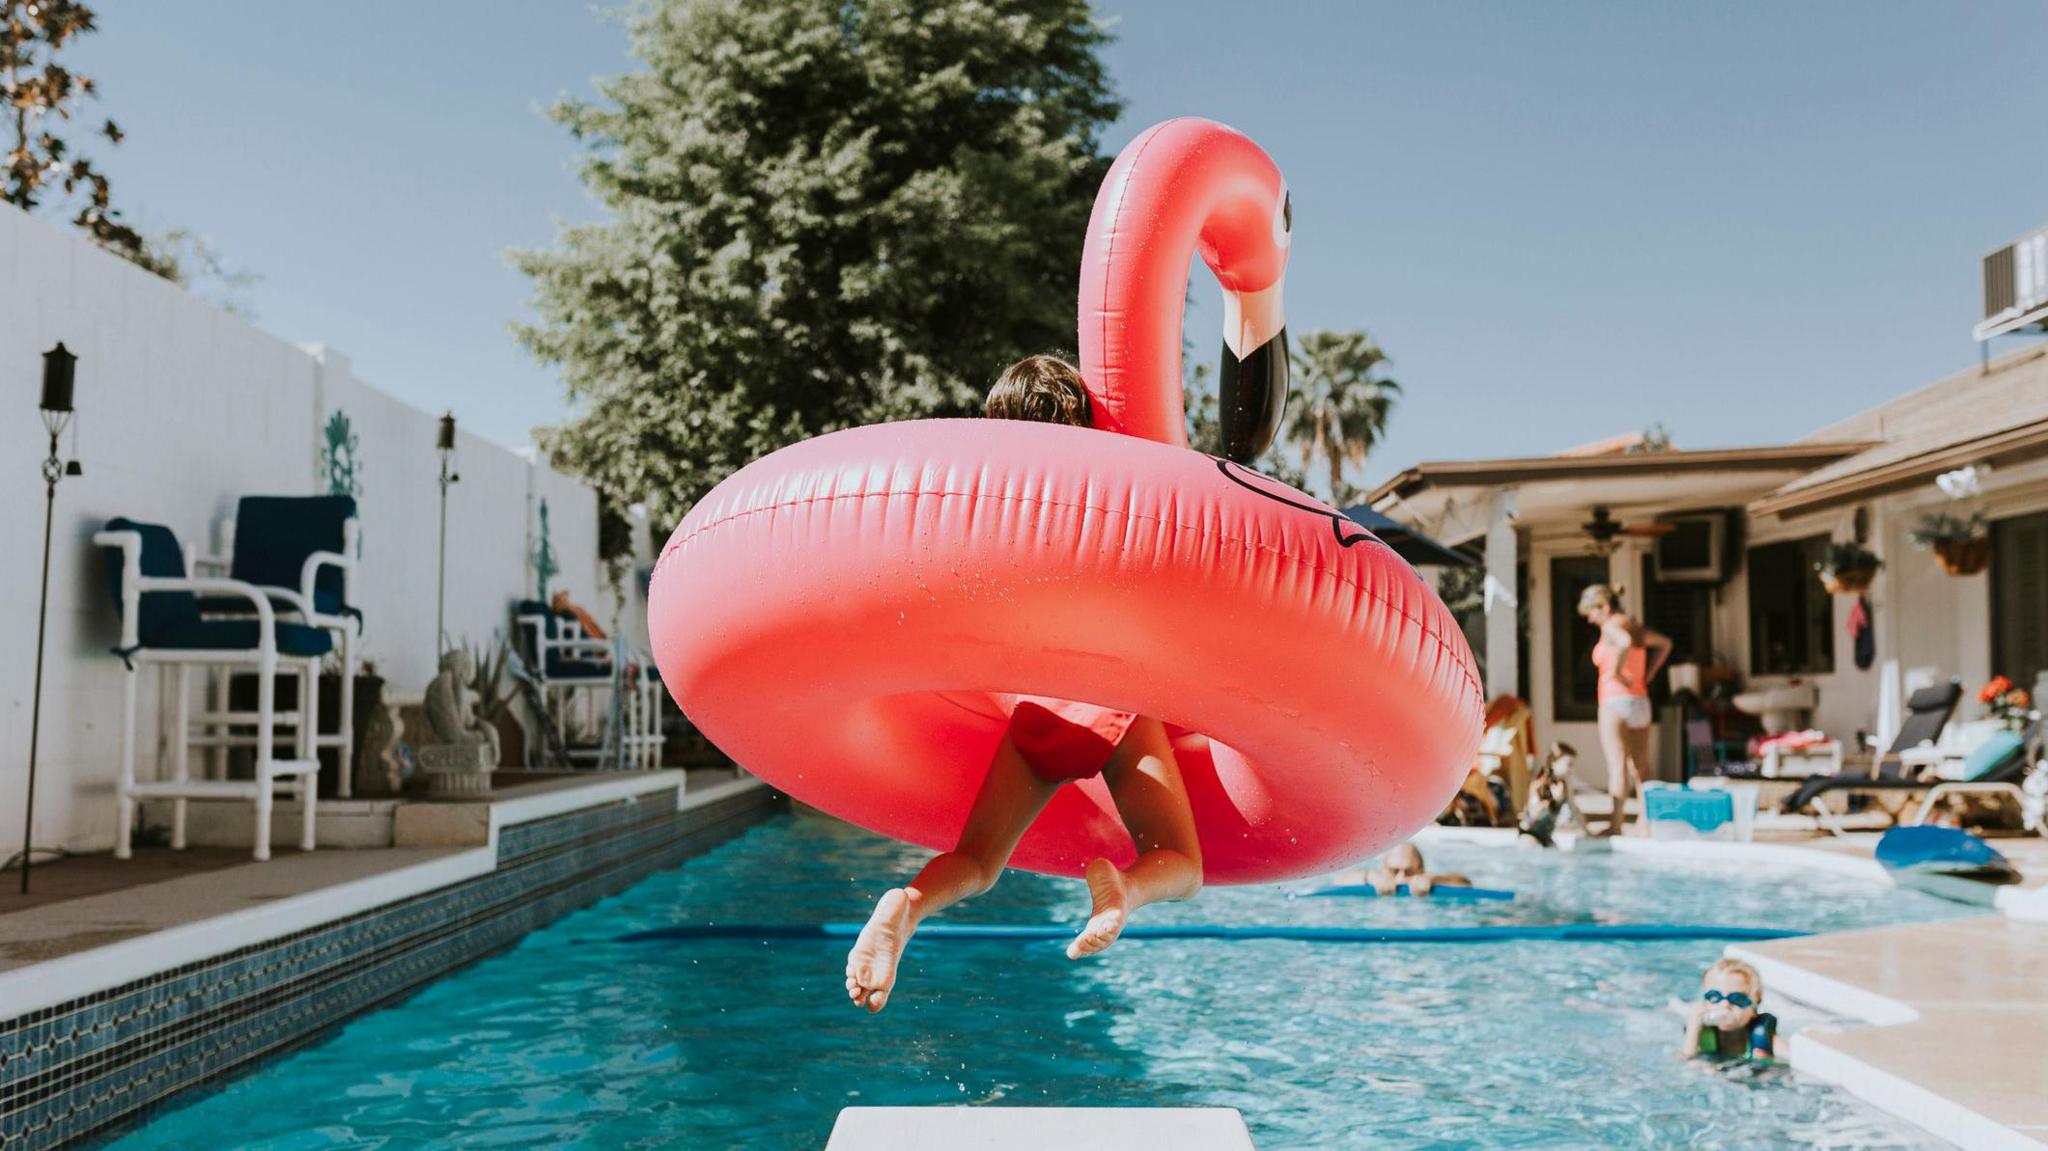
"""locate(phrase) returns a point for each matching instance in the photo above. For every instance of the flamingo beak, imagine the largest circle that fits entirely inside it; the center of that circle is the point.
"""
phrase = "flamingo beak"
(1252, 395)
(1253, 380)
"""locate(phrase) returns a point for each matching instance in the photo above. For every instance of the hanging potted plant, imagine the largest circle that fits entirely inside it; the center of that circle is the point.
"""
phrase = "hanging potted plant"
(1961, 544)
(1847, 567)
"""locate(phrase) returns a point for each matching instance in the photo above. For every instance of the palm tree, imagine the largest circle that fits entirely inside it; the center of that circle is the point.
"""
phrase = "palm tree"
(1345, 402)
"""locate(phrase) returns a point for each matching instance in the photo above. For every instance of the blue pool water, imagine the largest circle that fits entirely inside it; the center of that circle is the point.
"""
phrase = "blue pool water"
(573, 1039)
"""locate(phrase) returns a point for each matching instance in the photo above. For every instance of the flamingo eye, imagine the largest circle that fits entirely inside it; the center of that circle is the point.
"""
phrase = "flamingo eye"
(1287, 212)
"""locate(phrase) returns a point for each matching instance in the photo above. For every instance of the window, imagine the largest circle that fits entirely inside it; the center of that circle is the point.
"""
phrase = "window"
(1574, 682)
(1684, 612)
(1791, 616)
(2019, 598)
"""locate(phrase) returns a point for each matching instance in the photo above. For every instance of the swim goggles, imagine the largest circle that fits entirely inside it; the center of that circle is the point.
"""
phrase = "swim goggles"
(1733, 998)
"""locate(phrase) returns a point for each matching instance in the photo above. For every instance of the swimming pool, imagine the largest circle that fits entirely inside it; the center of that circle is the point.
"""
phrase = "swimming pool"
(574, 1039)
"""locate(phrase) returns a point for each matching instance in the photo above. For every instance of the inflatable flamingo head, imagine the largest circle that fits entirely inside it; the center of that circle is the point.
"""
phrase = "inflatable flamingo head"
(1186, 186)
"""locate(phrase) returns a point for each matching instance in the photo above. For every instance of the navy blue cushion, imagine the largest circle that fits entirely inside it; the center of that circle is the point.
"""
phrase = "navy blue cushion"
(162, 558)
(170, 619)
(241, 635)
(562, 668)
(275, 534)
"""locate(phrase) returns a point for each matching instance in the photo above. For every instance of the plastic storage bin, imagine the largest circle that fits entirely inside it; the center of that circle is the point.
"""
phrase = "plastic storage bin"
(1683, 813)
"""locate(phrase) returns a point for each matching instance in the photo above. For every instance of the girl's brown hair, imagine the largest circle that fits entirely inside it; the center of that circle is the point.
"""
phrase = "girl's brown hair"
(1046, 389)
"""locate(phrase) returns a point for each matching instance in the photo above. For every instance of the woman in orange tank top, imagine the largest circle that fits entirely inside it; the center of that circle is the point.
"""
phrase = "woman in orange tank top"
(1627, 657)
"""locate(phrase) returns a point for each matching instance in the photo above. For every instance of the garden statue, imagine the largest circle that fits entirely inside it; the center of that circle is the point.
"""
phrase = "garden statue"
(463, 747)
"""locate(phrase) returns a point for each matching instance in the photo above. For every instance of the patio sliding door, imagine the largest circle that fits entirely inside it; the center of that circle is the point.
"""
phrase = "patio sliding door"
(1574, 684)
(2019, 597)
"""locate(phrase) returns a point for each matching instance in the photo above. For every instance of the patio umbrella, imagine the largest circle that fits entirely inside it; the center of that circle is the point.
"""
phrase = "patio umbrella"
(1405, 541)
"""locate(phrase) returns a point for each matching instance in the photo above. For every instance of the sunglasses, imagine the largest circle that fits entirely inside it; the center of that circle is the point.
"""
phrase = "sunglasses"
(1736, 999)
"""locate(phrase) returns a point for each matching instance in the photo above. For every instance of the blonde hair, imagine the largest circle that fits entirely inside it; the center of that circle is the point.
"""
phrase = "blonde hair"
(1739, 969)
(1045, 389)
(1600, 595)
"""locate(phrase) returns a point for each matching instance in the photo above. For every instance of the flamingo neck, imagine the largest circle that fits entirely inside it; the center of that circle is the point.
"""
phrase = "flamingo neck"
(1183, 187)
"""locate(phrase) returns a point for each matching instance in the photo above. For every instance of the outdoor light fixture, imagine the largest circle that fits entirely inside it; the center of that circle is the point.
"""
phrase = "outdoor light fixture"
(444, 445)
(60, 373)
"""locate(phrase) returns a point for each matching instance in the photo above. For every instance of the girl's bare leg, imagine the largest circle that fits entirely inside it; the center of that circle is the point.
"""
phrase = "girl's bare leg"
(1145, 780)
(1614, 749)
(1011, 796)
(1637, 740)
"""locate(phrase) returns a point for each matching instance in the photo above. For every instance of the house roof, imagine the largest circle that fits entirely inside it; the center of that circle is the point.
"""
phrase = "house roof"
(1448, 498)
(1798, 457)
(1990, 415)
(1974, 416)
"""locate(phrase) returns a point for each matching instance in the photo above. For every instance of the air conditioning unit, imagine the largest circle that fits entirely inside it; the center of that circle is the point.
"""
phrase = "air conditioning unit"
(1695, 550)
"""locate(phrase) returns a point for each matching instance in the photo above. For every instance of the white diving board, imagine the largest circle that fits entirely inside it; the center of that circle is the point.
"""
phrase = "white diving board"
(1038, 1128)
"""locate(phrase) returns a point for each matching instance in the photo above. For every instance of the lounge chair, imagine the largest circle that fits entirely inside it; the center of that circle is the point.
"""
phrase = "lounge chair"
(161, 624)
(1996, 767)
(1927, 713)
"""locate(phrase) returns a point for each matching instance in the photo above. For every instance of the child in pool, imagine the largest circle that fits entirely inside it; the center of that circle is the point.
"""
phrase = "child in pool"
(1049, 742)
(1400, 867)
(1726, 1023)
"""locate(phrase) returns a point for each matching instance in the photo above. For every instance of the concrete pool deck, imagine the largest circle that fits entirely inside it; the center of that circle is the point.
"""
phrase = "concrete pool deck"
(1953, 1032)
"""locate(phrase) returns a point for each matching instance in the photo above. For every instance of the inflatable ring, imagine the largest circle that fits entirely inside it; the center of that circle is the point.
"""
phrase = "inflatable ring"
(845, 616)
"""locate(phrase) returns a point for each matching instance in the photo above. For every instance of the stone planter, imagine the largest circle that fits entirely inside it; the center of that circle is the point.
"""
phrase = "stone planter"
(456, 768)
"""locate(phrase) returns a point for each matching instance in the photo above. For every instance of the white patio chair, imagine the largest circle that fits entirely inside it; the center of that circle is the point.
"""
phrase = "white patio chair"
(161, 625)
(570, 667)
(301, 550)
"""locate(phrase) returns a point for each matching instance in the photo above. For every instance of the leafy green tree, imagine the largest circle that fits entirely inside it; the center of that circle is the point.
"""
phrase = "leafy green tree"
(40, 92)
(820, 215)
(1341, 403)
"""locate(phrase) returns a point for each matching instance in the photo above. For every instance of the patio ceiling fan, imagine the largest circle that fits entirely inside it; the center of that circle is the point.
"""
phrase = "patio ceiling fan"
(1605, 531)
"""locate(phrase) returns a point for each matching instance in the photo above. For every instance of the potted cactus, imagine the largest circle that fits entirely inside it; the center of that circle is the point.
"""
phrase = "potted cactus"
(1847, 567)
(1961, 544)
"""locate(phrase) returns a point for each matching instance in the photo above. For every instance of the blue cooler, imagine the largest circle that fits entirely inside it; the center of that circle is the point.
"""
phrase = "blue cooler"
(1682, 813)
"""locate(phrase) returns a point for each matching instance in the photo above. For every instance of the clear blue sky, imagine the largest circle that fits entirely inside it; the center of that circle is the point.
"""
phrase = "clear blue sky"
(1562, 220)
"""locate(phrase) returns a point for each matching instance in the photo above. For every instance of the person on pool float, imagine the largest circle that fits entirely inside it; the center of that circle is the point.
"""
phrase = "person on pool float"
(1400, 867)
(1727, 1022)
(1049, 742)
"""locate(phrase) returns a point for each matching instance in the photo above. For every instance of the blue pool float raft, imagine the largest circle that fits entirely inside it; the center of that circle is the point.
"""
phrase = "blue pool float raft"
(1448, 894)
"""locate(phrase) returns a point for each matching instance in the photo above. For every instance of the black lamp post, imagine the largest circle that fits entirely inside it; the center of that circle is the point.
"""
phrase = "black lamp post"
(59, 374)
(444, 445)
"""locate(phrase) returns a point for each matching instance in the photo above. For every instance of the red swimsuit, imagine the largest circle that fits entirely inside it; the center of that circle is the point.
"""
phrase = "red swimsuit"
(1062, 740)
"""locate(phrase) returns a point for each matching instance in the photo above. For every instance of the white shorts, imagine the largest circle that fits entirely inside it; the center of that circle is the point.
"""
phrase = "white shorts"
(1632, 710)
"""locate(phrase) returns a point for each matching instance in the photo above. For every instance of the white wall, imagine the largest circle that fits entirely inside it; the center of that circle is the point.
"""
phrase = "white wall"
(181, 410)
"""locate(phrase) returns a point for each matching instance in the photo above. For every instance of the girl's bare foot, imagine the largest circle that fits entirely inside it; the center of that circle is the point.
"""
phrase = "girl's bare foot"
(1111, 909)
(871, 965)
